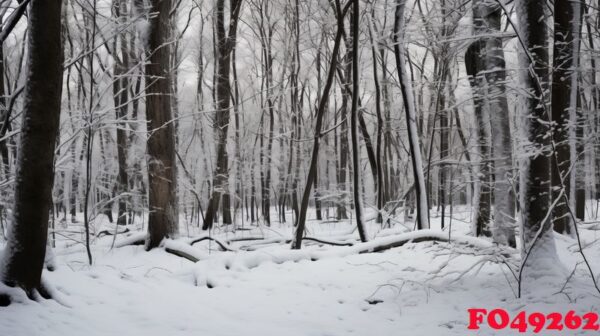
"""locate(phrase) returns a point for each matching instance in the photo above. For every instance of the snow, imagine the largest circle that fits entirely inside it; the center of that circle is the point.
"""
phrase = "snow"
(425, 288)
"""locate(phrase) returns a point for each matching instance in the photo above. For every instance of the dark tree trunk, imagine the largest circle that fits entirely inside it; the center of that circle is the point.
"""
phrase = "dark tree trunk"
(317, 197)
(225, 42)
(411, 119)
(475, 68)
(580, 164)
(239, 189)
(121, 97)
(343, 141)
(26, 247)
(536, 172)
(356, 171)
(564, 93)
(364, 132)
(268, 56)
(301, 220)
(252, 192)
(444, 143)
(4, 158)
(162, 173)
(378, 154)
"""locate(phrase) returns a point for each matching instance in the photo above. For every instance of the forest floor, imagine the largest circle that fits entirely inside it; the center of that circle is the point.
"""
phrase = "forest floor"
(261, 287)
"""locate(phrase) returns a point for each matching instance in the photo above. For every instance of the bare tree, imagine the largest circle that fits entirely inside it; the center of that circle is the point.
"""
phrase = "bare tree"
(162, 169)
(475, 70)
(23, 257)
(565, 93)
(356, 171)
(121, 88)
(488, 22)
(301, 220)
(536, 226)
(411, 119)
(225, 42)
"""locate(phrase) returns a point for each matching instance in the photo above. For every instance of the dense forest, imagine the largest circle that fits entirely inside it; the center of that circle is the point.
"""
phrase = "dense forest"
(175, 146)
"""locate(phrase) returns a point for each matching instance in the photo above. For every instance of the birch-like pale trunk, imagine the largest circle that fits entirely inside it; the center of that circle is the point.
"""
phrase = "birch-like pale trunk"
(487, 20)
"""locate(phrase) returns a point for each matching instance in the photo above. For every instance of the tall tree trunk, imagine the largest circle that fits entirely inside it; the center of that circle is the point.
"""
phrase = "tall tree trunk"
(121, 97)
(580, 163)
(378, 154)
(23, 257)
(4, 159)
(411, 118)
(356, 171)
(162, 173)
(266, 192)
(301, 220)
(225, 42)
(343, 150)
(595, 101)
(488, 21)
(444, 139)
(239, 189)
(564, 104)
(475, 68)
(538, 250)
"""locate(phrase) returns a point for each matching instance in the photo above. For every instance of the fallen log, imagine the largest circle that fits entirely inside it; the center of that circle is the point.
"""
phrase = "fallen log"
(182, 254)
(134, 239)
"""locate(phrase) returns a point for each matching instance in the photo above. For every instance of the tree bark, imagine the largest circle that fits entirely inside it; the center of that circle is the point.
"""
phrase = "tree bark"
(488, 22)
(301, 220)
(475, 68)
(411, 119)
(225, 42)
(356, 171)
(162, 173)
(536, 227)
(378, 154)
(564, 105)
(121, 97)
(23, 257)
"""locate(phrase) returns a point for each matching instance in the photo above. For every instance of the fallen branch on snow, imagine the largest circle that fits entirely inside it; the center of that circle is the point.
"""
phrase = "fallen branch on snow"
(182, 254)
(108, 233)
(222, 245)
(184, 250)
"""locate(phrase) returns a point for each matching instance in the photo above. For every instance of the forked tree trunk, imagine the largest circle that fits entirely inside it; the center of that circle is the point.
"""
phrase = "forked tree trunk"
(225, 42)
(301, 220)
(411, 119)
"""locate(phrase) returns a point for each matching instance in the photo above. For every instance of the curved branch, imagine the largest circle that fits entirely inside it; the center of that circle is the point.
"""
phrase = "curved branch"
(222, 245)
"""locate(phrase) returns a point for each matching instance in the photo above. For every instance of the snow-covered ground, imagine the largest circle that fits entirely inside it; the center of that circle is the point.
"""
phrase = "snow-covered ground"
(264, 288)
